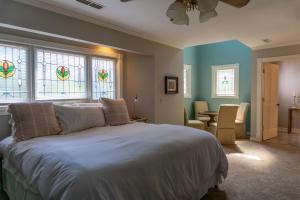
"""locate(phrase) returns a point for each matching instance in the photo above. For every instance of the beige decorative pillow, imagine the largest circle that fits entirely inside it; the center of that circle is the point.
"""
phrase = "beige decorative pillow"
(78, 118)
(31, 120)
(115, 111)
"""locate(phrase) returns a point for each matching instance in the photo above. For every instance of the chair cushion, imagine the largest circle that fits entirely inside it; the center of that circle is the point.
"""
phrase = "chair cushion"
(195, 122)
(31, 120)
(215, 124)
(239, 121)
(204, 118)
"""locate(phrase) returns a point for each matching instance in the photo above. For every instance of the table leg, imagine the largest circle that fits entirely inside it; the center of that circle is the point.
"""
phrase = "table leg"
(290, 121)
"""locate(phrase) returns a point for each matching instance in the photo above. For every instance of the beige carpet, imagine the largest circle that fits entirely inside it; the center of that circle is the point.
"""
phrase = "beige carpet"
(260, 172)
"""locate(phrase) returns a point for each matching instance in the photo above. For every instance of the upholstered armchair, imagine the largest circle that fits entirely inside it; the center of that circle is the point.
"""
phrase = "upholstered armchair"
(192, 123)
(240, 121)
(224, 129)
(200, 108)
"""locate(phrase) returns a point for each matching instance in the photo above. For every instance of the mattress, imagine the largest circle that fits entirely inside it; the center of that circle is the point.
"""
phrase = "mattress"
(134, 161)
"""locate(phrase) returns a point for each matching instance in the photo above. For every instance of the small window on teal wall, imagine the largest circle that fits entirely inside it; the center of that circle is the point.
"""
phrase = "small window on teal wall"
(225, 81)
(187, 81)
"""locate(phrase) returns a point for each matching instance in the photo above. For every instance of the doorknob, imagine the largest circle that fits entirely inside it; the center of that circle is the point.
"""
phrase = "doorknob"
(278, 104)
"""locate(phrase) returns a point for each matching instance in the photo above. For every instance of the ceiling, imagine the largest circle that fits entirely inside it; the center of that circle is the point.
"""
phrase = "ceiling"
(277, 20)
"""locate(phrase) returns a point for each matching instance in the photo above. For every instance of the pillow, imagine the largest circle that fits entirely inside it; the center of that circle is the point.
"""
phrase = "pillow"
(73, 118)
(88, 104)
(115, 111)
(31, 120)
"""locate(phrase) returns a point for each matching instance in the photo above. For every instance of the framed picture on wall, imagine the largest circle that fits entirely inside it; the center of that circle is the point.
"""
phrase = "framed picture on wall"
(171, 85)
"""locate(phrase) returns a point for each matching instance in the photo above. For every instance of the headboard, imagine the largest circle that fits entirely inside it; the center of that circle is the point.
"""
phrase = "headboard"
(4, 125)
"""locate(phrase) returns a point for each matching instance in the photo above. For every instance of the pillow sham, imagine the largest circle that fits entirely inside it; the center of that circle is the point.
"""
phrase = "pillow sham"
(88, 104)
(31, 120)
(115, 111)
(78, 118)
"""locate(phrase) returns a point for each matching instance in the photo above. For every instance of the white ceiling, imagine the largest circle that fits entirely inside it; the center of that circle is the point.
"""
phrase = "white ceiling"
(278, 20)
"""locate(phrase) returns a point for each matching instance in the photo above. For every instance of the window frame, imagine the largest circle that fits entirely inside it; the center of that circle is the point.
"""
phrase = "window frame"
(115, 74)
(215, 68)
(86, 57)
(28, 68)
(188, 83)
(31, 47)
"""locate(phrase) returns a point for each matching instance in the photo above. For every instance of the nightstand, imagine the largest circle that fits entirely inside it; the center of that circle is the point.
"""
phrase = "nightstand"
(139, 119)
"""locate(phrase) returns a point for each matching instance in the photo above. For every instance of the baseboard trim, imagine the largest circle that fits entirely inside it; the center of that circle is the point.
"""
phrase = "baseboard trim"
(255, 139)
(284, 129)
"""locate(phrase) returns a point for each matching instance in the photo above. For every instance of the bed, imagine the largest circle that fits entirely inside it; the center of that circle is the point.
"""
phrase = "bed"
(136, 161)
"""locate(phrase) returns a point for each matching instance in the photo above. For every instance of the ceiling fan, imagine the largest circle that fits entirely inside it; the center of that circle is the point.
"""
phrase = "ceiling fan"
(177, 11)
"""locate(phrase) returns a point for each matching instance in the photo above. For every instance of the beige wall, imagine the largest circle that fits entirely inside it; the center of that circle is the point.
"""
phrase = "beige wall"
(167, 60)
(139, 80)
(265, 53)
(289, 82)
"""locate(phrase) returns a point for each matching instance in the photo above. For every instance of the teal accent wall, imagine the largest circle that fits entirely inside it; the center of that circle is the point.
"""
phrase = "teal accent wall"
(202, 57)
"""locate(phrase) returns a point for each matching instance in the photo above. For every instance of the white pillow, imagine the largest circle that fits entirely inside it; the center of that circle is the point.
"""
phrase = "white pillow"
(75, 118)
(88, 104)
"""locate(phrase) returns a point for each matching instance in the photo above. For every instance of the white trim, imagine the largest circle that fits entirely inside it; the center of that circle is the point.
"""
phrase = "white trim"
(254, 139)
(188, 68)
(236, 80)
(259, 87)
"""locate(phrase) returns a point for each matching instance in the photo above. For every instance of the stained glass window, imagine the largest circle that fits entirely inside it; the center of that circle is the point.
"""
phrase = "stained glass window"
(13, 74)
(60, 75)
(104, 81)
(225, 81)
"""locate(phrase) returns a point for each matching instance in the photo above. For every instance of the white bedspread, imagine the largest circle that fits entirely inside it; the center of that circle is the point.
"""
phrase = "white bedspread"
(130, 162)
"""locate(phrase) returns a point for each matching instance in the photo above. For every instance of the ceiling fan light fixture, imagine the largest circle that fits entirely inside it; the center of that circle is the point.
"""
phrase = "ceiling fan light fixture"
(177, 13)
(207, 15)
(181, 20)
(207, 5)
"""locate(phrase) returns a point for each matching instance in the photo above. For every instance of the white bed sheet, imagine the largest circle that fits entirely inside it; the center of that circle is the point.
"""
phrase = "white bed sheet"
(129, 162)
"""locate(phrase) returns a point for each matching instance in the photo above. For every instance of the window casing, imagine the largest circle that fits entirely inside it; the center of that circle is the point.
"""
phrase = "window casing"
(13, 73)
(225, 81)
(187, 81)
(38, 74)
(104, 78)
(60, 75)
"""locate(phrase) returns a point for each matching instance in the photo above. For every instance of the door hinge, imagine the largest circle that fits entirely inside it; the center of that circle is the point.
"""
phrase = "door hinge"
(263, 70)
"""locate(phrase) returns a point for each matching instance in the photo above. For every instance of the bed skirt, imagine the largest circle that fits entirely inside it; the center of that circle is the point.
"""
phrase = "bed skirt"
(15, 189)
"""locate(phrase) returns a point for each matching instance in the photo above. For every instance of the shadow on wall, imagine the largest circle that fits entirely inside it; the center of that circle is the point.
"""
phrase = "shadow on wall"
(288, 85)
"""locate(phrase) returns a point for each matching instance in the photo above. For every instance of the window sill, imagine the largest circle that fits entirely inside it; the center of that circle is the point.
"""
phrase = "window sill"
(225, 97)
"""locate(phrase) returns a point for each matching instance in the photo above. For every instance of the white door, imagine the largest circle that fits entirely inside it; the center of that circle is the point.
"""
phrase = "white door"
(270, 100)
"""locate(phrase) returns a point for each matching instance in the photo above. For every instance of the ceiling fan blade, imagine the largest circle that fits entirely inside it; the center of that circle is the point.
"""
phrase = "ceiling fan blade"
(125, 0)
(237, 3)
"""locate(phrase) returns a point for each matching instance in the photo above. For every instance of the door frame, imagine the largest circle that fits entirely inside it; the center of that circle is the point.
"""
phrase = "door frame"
(259, 120)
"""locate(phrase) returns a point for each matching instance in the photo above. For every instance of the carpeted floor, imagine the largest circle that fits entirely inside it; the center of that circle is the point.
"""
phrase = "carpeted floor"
(258, 172)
